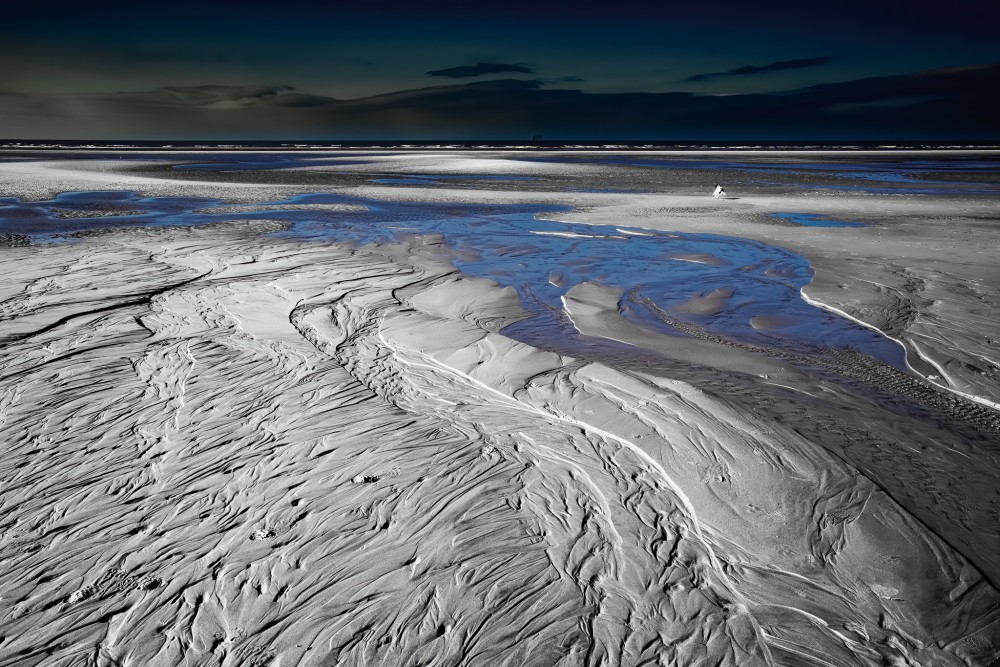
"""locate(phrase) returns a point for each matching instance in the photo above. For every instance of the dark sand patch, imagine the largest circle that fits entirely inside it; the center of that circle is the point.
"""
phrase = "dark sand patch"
(707, 303)
(70, 214)
(773, 322)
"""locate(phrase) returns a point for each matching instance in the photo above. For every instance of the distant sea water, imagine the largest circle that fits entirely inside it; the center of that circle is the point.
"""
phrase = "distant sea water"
(506, 144)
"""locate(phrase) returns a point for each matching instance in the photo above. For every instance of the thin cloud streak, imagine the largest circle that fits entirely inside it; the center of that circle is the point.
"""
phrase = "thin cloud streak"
(750, 70)
(479, 69)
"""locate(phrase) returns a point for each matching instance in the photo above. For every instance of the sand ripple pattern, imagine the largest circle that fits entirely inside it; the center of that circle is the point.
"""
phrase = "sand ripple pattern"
(236, 452)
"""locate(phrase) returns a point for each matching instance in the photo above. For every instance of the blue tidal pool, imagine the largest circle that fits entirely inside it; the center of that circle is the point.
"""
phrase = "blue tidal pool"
(737, 288)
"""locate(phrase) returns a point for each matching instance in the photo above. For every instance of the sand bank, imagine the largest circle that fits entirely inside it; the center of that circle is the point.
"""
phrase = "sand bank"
(223, 448)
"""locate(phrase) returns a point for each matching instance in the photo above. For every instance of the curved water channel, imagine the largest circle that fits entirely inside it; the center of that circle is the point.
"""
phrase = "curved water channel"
(737, 288)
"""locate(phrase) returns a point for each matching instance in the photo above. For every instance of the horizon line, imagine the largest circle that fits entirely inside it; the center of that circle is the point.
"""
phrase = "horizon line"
(535, 142)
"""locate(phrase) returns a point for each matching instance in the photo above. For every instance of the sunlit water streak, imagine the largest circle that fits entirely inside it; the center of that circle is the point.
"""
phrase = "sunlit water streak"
(753, 288)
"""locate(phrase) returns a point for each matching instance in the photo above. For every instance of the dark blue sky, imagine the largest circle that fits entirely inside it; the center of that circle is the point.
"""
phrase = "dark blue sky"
(94, 69)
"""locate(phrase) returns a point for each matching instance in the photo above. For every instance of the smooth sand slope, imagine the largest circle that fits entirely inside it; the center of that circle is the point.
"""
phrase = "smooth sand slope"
(223, 448)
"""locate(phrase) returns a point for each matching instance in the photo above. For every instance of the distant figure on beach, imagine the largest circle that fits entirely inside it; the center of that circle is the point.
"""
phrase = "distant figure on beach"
(719, 192)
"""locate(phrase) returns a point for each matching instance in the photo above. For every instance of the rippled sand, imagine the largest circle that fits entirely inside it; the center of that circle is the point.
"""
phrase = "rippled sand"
(228, 448)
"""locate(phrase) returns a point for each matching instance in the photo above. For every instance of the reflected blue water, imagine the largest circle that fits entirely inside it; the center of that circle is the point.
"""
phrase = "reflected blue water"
(41, 221)
(759, 284)
(815, 220)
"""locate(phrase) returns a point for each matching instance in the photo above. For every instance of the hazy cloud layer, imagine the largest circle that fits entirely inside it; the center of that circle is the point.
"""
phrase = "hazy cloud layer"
(946, 103)
(748, 70)
(479, 69)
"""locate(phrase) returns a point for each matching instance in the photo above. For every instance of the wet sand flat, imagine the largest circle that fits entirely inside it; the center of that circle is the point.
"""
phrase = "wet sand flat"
(248, 429)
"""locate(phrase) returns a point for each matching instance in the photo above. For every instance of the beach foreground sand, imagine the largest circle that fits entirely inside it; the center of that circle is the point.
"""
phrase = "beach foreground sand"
(226, 445)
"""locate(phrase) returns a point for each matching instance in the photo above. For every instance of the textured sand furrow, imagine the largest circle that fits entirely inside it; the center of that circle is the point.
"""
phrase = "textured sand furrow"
(830, 538)
(482, 504)
(193, 486)
(829, 520)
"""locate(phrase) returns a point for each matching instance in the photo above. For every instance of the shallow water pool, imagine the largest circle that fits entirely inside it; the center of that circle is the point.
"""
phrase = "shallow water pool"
(737, 288)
